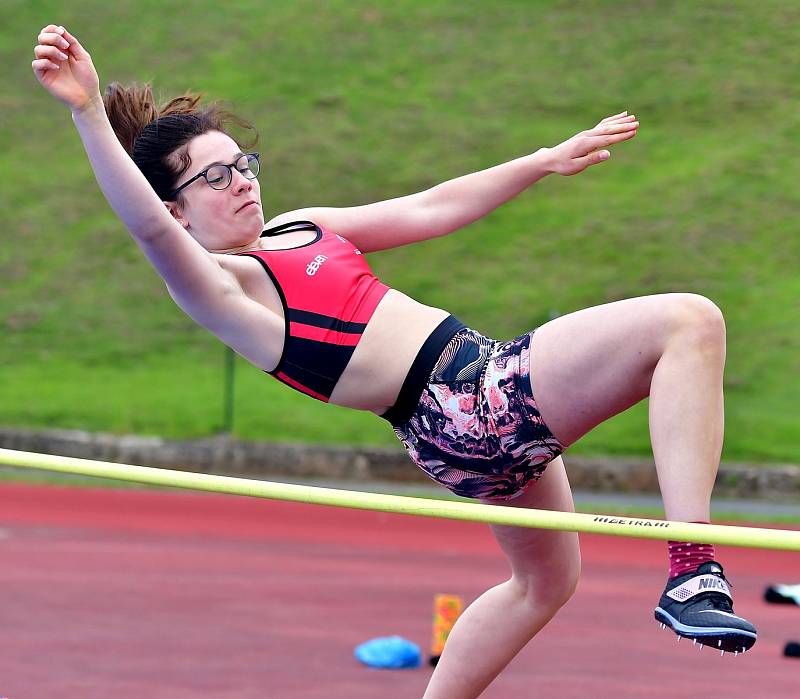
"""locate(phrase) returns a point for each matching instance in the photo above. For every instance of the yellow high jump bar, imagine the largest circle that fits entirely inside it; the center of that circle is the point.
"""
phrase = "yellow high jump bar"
(751, 537)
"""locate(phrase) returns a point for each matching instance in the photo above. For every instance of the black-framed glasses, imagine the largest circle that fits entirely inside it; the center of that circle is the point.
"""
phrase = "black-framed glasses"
(220, 176)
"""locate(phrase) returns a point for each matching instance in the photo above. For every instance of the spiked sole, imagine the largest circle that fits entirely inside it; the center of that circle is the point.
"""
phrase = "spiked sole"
(718, 637)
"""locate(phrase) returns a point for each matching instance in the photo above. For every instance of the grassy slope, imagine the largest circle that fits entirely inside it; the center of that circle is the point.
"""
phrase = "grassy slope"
(359, 101)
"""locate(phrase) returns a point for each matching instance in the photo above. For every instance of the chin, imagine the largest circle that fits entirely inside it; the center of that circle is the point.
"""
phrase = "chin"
(255, 233)
(251, 233)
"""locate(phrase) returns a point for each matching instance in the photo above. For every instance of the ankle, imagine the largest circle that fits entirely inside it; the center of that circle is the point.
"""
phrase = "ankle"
(686, 557)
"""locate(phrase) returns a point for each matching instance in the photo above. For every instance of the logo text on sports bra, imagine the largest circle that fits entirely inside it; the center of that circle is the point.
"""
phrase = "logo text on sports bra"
(315, 264)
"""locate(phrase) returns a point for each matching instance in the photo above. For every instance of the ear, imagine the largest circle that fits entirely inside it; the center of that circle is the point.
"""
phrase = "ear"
(177, 214)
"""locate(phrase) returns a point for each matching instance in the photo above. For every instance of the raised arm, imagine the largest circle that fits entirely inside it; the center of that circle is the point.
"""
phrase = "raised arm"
(193, 276)
(455, 203)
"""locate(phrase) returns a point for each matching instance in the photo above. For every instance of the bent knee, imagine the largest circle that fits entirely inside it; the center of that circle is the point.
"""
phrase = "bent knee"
(698, 321)
(554, 589)
(562, 593)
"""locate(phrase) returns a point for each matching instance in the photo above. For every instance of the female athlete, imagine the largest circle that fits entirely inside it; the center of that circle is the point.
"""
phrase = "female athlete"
(487, 419)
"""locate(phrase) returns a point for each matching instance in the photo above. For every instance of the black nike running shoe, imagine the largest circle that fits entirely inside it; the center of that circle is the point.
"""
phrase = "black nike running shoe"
(700, 606)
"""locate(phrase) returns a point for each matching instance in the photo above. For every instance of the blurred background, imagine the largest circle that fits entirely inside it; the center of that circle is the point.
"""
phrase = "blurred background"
(360, 101)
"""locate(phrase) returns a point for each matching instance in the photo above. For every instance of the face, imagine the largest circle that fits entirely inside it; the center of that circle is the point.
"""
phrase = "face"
(221, 220)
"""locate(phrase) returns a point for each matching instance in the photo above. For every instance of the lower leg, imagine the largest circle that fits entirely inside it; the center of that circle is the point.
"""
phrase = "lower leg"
(686, 429)
(490, 632)
(591, 365)
(495, 627)
(687, 417)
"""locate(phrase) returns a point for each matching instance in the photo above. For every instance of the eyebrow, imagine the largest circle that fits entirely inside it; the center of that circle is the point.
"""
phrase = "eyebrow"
(219, 162)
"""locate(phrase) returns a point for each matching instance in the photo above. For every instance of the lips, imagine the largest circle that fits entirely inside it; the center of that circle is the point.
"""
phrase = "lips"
(245, 205)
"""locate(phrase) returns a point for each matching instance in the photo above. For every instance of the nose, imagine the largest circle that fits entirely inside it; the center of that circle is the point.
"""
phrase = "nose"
(240, 183)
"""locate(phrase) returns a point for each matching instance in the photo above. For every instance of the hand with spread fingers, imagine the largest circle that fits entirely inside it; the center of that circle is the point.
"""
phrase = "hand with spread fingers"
(65, 69)
(587, 147)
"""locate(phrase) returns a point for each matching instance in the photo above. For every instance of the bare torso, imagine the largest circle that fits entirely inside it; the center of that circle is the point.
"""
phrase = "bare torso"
(382, 358)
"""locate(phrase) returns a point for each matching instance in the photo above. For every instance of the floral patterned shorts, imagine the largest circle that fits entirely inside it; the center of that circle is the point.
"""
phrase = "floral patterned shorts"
(477, 429)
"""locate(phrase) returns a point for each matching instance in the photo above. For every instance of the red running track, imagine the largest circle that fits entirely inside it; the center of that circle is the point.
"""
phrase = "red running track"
(127, 594)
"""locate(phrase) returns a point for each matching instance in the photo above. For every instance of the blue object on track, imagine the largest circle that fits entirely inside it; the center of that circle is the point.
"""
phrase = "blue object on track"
(391, 652)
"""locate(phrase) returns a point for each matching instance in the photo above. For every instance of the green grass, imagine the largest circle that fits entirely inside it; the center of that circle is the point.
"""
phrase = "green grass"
(360, 101)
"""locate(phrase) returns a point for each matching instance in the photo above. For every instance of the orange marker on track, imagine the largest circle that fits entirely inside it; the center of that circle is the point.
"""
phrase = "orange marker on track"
(446, 610)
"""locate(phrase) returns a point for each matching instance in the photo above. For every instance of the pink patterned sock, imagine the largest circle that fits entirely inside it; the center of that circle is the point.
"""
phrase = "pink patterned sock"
(686, 557)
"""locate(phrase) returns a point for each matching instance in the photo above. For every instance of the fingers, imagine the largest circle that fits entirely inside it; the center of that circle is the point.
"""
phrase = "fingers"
(619, 138)
(51, 52)
(592, 143)
(586, 148)
(623, 118)
(609, 132)
(40, 65)
(615, 116)
(77, 48)
(58, 36)
(602, 135)
(618, 125)
(52, 35)
(578, 165)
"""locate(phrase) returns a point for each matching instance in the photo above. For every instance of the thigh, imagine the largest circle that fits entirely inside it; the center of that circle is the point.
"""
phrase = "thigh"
(590, 365)
(548, 556)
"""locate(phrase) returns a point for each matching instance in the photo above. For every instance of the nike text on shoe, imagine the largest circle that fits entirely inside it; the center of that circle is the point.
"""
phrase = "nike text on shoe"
(699, 606)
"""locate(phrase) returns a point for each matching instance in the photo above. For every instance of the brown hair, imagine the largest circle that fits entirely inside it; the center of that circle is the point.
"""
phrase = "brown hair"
(156, 137)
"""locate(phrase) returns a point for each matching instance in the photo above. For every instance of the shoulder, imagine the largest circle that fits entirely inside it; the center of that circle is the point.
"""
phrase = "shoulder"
(369, 227)
(313, 214)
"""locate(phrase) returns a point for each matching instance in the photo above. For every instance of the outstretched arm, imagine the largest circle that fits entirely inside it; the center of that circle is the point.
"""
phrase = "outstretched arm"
(455, 203)
(194, 278)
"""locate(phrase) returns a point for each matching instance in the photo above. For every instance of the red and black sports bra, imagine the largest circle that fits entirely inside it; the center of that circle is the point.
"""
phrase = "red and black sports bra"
(329, 294)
